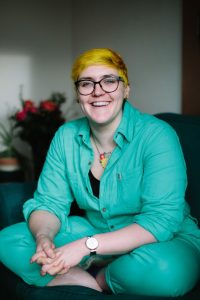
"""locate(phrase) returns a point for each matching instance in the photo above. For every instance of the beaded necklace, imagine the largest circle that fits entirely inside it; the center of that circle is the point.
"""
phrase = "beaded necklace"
(104, 156)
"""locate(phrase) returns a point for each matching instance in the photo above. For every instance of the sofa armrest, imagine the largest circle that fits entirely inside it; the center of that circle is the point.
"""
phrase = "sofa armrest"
(12, 197)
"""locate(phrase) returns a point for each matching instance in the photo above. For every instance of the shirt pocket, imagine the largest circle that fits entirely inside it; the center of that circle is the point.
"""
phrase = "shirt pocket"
(129, 189)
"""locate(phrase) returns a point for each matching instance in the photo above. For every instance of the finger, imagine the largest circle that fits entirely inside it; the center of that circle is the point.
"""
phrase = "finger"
(64, 270)
(48, 248)
(56, 268)
(44, 260)
(56, 261)
(37, 255)
(57, 254)
(50, 252)
(39, 248)
(53, 269)
(48, 260)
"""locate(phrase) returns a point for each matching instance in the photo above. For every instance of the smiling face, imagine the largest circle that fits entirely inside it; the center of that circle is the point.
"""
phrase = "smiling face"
(100, 107)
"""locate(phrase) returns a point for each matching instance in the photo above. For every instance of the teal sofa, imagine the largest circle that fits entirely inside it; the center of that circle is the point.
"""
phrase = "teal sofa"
(13, 195)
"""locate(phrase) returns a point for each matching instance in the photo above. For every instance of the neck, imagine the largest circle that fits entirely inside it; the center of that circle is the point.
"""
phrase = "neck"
(103, 138)
(104, 133)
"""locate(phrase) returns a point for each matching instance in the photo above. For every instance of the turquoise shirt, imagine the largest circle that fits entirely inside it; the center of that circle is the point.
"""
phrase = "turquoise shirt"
(144, 181)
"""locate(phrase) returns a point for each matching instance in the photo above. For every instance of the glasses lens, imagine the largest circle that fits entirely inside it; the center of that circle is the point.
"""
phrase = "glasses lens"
(85, 87)
(109, 84)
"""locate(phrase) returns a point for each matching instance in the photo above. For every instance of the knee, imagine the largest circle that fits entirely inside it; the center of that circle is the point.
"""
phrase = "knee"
(6, 235)
(158, 276)
(16, 248)
(15, 243)
(14, 235)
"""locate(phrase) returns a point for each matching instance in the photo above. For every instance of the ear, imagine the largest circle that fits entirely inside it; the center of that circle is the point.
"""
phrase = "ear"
(126, 92)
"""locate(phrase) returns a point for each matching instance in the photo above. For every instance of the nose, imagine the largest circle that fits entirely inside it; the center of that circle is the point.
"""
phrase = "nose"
(97, 89)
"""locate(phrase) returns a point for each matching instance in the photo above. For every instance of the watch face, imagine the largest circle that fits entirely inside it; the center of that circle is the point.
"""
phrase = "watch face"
(92, 243)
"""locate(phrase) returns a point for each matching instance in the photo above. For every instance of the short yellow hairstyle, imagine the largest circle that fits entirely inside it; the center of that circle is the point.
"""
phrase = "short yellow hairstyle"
(100, 56)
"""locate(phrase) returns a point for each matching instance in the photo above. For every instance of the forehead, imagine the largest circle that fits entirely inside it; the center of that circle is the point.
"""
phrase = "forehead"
(98, 71)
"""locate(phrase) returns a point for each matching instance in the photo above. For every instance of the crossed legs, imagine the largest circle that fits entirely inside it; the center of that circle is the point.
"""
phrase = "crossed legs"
(76, 276)
(161, 269)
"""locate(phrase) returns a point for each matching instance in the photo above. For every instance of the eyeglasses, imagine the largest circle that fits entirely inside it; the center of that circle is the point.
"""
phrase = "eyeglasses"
(108, 84)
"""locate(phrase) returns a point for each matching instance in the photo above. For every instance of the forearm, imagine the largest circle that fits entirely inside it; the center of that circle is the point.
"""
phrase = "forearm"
(43, 223)
(123, 240)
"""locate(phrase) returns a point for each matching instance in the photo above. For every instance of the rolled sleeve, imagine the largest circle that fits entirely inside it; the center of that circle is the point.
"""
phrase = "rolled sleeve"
(53, 192)
(163, 185)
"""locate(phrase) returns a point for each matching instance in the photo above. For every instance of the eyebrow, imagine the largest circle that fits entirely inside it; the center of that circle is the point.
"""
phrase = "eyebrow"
(102, 77)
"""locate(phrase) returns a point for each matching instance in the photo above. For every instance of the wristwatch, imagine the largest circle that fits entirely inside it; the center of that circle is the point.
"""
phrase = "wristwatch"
(92, 244)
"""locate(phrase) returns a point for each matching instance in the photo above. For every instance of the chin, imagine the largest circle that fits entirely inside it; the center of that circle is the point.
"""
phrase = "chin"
(101, 121)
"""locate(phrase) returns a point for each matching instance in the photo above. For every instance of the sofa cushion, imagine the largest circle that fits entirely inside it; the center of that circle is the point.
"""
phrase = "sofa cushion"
(12, 197)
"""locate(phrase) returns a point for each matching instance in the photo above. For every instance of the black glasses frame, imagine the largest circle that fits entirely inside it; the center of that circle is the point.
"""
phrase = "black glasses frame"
(118, 78)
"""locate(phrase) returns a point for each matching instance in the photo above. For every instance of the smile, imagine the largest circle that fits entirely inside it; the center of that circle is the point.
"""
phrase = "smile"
(100, 103)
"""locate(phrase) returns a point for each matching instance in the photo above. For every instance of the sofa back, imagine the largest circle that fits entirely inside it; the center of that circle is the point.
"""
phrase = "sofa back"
(188, 130)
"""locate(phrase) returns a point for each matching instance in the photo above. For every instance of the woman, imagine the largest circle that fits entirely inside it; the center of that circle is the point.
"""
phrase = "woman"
(126, 170)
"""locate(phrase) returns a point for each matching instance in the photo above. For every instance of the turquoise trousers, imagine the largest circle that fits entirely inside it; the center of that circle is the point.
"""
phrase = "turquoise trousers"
(169, 268)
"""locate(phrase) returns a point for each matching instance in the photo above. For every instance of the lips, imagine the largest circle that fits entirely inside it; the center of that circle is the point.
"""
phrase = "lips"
(100, 103)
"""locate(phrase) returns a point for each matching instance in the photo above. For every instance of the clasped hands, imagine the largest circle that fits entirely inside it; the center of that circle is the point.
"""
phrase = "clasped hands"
(57, 261)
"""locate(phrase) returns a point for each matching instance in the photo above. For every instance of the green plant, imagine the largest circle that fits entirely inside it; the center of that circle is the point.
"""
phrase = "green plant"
(7, 136)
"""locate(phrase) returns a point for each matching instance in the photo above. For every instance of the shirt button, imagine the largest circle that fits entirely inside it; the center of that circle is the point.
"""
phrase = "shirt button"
(103, 209)
(119, 176)
(89, 163)
(112, 226)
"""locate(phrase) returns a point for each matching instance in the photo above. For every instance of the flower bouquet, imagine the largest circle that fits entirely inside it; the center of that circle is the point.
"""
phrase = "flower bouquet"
(37, 124)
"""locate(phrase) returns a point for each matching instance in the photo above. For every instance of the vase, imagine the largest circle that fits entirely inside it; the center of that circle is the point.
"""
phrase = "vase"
(9, 164)
(39, 152)
(11, 170)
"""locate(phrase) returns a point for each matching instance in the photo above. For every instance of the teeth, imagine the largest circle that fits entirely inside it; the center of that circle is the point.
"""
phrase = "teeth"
(100, 103)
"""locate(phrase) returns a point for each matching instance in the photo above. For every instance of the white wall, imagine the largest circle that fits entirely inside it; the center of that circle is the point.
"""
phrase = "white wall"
(40, 39)
(35, 51)
(147, 33)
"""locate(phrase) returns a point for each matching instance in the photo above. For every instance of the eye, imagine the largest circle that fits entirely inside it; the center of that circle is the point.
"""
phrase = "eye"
(85, 84)
(109, 81)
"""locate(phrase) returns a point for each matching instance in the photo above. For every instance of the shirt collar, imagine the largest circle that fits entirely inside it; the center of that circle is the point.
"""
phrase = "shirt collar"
(127, 125)
(84, 132)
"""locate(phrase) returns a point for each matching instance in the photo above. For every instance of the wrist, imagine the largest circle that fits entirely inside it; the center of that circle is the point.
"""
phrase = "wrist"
(91, 244)
(40, 236)
(86, 251)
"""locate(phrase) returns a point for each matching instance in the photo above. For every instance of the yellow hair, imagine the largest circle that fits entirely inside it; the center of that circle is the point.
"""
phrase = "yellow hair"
(100, 56)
